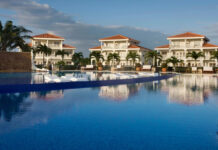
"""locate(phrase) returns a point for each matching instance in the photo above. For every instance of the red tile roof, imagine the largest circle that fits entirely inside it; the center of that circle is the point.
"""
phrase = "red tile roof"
(98, 47)
(68, 46)
(47, 35)
(209, 45)
(187, 34)
(30, 44)
(117, 37)
(164, 46)
(136, 46)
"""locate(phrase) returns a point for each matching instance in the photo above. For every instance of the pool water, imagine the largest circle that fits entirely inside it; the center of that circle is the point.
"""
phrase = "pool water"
(173, 114)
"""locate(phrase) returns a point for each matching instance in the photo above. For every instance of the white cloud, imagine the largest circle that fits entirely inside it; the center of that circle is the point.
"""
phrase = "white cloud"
(43, 17)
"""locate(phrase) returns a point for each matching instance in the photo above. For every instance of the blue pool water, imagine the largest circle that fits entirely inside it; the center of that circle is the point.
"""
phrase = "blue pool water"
(178, 113)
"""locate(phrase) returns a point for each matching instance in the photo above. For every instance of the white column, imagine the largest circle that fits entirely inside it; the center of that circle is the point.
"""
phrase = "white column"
(114, 46)
(216, 59)
(202, 59)
(185, 52)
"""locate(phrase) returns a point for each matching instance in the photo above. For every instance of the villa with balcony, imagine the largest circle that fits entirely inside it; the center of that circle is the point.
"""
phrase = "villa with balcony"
(122, 45)
(179, 45)
(55, 43)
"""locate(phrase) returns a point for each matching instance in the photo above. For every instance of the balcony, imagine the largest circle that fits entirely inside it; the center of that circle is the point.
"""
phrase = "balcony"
(54, 46)
(114, 47)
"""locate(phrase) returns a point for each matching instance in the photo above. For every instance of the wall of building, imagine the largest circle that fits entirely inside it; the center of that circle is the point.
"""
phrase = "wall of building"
(15, 62)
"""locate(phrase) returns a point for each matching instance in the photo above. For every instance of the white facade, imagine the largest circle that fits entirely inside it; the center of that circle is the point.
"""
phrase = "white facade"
(179, 45)
(55, 43)
(122, 45)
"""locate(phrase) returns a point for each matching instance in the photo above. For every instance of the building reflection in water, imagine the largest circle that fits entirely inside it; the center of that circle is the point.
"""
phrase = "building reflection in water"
(119, 92)
(189, 89)
(47, 95)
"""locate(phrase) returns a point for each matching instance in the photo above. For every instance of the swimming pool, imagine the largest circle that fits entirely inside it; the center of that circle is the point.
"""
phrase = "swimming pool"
(177, 113)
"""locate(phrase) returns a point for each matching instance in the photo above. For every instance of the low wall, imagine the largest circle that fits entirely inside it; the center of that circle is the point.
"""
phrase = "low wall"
(15, 62)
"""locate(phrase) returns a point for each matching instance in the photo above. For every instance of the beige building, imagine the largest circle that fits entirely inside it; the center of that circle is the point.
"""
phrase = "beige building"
(55, 43)
(179, 45)
(122, 45)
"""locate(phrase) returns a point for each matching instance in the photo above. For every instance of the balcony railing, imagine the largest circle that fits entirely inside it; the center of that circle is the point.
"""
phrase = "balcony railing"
(114, 47)
(182, 47)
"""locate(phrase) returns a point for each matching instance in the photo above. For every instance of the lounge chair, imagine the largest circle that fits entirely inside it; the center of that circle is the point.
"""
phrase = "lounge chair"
(41, 70)
(118, 67)
(194, 69)
(89, 67)
(52, 78)
(208, 70)
(146, 68)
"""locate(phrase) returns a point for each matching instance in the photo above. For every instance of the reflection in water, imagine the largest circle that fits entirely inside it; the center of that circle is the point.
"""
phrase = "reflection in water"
(182, 89)
(119, 92)
(189, 89)
(47, 95)
(144, 121)
(13, 104)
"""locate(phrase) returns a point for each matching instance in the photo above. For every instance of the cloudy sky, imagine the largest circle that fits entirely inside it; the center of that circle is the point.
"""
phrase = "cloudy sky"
(83, 22)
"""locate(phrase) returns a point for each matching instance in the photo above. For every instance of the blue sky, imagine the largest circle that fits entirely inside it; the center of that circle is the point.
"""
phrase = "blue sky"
(168, 16)
(83, 22)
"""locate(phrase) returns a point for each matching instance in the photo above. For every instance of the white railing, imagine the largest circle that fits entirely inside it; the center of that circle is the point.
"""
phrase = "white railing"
(114, 47)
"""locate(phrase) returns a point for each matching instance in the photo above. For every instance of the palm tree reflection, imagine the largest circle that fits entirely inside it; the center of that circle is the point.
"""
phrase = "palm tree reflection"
(13, 104)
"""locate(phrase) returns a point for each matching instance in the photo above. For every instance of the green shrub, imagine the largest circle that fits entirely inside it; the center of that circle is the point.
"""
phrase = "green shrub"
(181, 69)
(39, 66)
(138, 65)
(164, 65)
(68, 67)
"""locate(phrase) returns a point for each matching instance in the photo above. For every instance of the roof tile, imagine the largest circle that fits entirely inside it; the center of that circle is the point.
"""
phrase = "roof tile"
(187, 34)
(47, 35)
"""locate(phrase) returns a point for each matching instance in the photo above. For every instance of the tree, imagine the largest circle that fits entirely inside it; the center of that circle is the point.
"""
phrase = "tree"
(133, 56)
(60, 64)
(12, 36)
(174, 61)
(26, 48)
(77, 58)
(44, 50)
(61, 53)
(194, 55)
(97, 55)
(154, 55)
(85, 61)
(113, 57)
(214, 55)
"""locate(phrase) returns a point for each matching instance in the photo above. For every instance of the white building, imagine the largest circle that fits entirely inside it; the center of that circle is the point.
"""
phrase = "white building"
(179, 45)
(122, 45)
(55, 43)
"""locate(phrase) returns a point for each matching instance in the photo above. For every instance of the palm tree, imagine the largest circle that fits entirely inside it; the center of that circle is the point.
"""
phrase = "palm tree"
(85, 61)
(133, 56)
(61, 53)
(97, 55)
(12, 36)
(77, 58)
(214, 55)
(195, 55)
(114, 57)
(45, 50)
(174, 61)
(154, 55)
